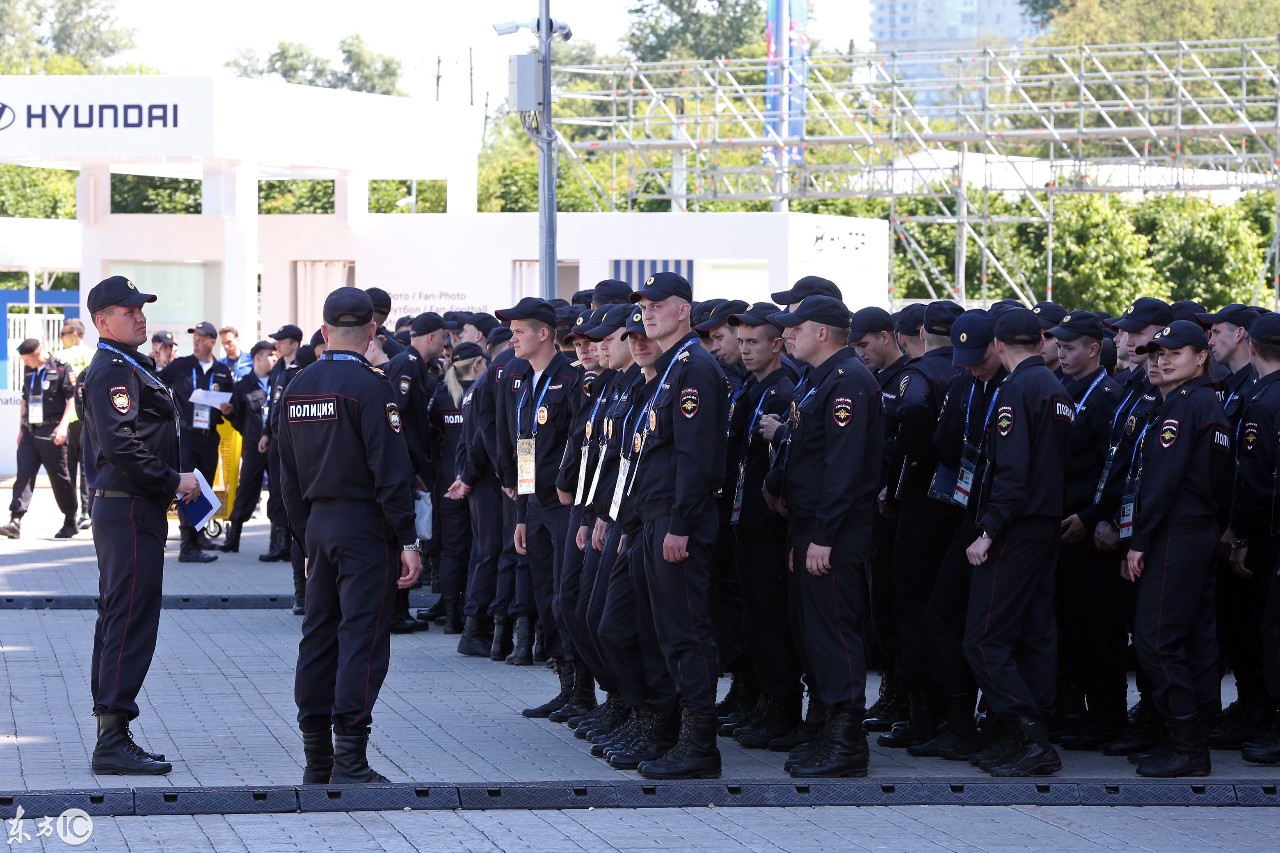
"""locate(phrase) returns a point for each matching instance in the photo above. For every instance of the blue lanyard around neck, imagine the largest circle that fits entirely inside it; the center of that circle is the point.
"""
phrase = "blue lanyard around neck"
(546, 374)
(339, 356)
(1080, 406)
(648, 404)
(968, 408)
(592, 420)
(37, 378)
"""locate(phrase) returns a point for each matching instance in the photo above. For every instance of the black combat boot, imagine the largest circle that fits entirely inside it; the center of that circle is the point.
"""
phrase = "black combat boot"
(610, 716)
(189, 551)
(1106, 721)
(501, 639)
(1070, 714)
(299, 590)
(890, 708)
(453, 615)
(1188, 753)
(841, 749)
(1005, 741)
(564, 669)
(351, 762)
(601, 742)
(1140, 734)
(656, 733)
(473, 643)
(232, 543)
(583, 697)
(1240, 723)
(317, 747)
(68, 528)
(1265, 749)
(959, 732)
(741, 698)
(694, 756)
(779, 716)
(401, 621)
(919, 727)
(539, 644)
(277, 545)
(1035, 757)
(434, 612)
(520, 640)
(800, 742)
(115, 753)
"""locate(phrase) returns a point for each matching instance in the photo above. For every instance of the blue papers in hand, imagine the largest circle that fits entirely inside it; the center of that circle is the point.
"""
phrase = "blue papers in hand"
(199, 511)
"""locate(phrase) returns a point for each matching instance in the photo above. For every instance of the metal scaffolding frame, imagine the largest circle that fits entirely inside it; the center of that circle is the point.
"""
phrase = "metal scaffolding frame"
(955, 128)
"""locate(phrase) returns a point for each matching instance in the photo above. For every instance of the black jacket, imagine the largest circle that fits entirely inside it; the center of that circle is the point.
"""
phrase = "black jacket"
(921, 391)
(55, 387)
(185, 374)
(545, 414)
(748, 451)
(1095, 406)
(1253, 507)
(248, 405)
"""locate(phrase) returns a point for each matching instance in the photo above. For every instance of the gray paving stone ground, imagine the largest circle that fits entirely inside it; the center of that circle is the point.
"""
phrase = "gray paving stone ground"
(219, 703)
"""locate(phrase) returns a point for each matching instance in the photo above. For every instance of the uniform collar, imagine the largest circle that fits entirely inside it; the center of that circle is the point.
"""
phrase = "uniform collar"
(757, 387)
(663, 360)
(1082, 382)
(819, 373)
(1033, 361)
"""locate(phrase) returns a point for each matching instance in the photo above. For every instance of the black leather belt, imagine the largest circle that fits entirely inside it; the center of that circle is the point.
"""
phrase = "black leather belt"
(205, 431)
(110, 493)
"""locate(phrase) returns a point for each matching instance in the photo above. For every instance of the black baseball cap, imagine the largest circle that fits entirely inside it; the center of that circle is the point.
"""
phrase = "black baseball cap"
(1079, 324)
(581, 297)
(1235, 314)
(610, 291)
(810, 285)
(910, 319)
(820, 309)
(454, 320)
(971, 333)
(757, 315)
(28, 346)
(500, 335)
(586, 321)
(613, 318)
(1178, 334)
(317, 339)
(635, 324)
(426, 323)
(262, 346)
(163, 337)
(1049, 314)
(406, 320)
(288, 330)
(868, 320)
(1266, 330)
(116, 290)
(1187, 309)
(205, 329)
(940, 315)
(466, 350)
(484, 323)
(699, 312)
(720, 314)
(1019, 326)
(663, 285)
(380, 299)
(350, 301)
(530, 308)
(1146, 311)
(1002, 305)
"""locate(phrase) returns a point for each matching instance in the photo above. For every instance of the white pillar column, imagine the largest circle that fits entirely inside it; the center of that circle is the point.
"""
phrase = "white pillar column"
(230, 191)
(351, 199)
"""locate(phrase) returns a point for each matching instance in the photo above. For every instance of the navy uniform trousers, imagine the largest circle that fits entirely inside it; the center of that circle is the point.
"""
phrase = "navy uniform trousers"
(485, 506)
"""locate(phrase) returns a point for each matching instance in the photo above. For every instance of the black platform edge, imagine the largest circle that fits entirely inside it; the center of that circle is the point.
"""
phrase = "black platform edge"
(269, 799)
(20, 601)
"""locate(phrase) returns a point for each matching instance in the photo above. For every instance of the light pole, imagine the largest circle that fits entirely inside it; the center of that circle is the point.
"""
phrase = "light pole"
(544, 137)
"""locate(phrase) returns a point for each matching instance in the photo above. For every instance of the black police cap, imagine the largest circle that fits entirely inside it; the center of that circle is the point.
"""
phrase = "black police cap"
(635, 324)
(1049, 314)
(1235, 314)
(757, 315)
(287, 331)
(1002, 305)
(700, 312)
(28, 347)
(380, 298)
(454, 320)
(484, 323)
(530, 308)
(116, 290)
(498, 336)
(663, 285)
(1187, 309)
(971, 333)
(1144, 312)
(869, 320)
(1266, 330)
(163, 337)
(261, 346)
(1019, 326)
(1079, 324)
(204, 329)
(610, 291)
(581, 297)
(406, 320)
(721, 313)
(426, 323)
(910, 319)
(466, 350)
(940, 315)
(586, 321)
(1178, 334)
(820, 309)
(614, 318)
(351, 302)
(317, 338)
(810, 285)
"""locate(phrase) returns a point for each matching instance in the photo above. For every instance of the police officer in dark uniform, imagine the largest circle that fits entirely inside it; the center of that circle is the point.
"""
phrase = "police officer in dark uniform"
(678, 471)
(349, 493)
(249, 403)
(381, 311)
(48, 393)
(1011, 637)
(837, 413)
(1183, 474)
(288, 340)
(200, 439)
(132, 419)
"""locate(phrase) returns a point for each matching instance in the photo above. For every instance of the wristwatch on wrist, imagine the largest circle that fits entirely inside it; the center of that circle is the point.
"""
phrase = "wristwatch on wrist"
(415, 547)
(1237, 544)
(984, 535)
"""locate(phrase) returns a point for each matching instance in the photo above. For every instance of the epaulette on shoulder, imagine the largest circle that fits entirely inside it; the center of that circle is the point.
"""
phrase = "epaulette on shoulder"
(683, 356)
(377, 370)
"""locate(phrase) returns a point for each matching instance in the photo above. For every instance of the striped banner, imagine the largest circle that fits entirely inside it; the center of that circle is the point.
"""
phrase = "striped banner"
(634, 273)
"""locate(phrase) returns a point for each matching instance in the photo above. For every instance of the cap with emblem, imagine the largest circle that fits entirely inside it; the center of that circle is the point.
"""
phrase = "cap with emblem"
(1235, 314)
(350, 302)
(116, 290)
(530, 308)
(499, 336)
(426, 323)
(1144, 312)
(586, 321)
(910, 319)
(612, 318)
(1079, 324)
(483, 323)
(971, 334)
(820, 309)
(1002, 305)
(869, 320)
(1049, 314)
(1019, 326)
(1176, 335)
(635, 324)
(262, 346)
(757, 315)
(28, 347)
(466, 350)
(663, 285)
(940, 315)
(611, 292)
(380, 299)
(1266, 330)
(699, 312)
(287, 331)
(810, 285)
(1187, 309)
(721, 313)
(163, 338)
(205, 329)
(581, 297)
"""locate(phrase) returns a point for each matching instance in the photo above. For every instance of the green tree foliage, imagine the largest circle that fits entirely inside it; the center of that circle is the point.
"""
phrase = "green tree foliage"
(1200, 250)
(145, 194)
(1118, 21)
(1040, 11)
(384, 197)
(360, 69)
(37, 193)
(693, 29)
(59, 36)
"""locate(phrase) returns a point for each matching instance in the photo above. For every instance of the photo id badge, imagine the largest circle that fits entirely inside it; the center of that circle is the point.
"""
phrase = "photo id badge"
(582, 478)
(737, 494)
(1127, 504)
(965, 476)
(199, 417)
(35, 410)
(1106, 474)
(526, 469)
(620, 487)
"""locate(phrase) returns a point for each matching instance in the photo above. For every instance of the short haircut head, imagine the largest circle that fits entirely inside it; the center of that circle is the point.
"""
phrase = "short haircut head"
(232, 329)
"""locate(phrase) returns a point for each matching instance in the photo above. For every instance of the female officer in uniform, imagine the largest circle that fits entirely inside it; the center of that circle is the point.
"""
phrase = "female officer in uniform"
(1182, 473)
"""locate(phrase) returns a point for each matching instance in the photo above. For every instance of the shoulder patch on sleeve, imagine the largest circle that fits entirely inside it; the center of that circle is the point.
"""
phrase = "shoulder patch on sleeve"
(903, 383)
(393, 417)
(842, 411)
(120, 400)
(405, 384)
(1249, 437)
(690, 402)
(1004, 420)
(1168, 433)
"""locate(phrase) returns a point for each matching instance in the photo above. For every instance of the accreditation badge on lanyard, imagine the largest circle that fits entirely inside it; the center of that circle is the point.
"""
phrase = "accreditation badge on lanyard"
(581, 495)
(35, 399)
(526, 468)
(971, 456)
(199, 411)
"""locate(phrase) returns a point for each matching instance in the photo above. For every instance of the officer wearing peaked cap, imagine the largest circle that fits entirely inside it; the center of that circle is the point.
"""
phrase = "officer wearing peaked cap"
(348, 489)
